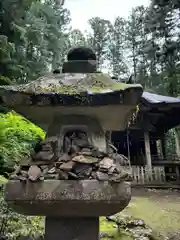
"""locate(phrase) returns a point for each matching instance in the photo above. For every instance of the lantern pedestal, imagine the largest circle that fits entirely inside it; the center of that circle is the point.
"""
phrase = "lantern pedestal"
(72, 208)
(72, 228)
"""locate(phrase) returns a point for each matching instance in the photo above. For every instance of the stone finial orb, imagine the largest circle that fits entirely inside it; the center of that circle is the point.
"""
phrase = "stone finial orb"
(81, 54)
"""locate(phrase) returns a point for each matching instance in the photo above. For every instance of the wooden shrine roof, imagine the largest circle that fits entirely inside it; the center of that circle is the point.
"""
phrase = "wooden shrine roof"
(158, 113)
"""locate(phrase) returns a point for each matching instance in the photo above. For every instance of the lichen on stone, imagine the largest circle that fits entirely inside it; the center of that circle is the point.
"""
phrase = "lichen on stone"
(71, 84)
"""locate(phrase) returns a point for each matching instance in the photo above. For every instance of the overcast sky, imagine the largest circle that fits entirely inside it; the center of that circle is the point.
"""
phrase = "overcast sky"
(82, 10)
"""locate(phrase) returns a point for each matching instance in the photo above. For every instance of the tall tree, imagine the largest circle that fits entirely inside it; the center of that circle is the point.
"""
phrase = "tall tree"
(131, 40)
(57, 31)
(38, 41)
(116, 45)
(77, 38)
(163, 25)
(137, 43)
(98, 37)
(12, 12)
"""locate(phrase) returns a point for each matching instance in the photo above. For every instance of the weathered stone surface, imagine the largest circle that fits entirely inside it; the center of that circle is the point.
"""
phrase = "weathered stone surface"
(86, 152)
(83, 143)
(24, 174)
(102, 176)
(80, 163)
(74, 148)
(63, 175)
(64, 158)
(68, 197)
(34, 173)
(85, 180)
(14, 177)
(174, 236)
(122, 160)
(51, 176)
(67, 166)
(44, 156)
(73, 176)
(50, 140)
(85, 159)
(82, 167)
(72, 228)
(46, 146)
(104, 236)
(52, 170)
(69, 84)
(113, 169)
(96, 153)
(119, 177)
(17, 169)
(44, 169)
(106, 164)
(80, 90)
(22, 179)
(83, 170)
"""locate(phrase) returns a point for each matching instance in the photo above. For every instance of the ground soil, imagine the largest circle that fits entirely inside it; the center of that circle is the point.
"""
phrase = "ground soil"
(160, 209)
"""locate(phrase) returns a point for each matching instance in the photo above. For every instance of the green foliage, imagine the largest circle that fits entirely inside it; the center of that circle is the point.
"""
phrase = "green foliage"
(111, 229)
(4, 80)
(116, 46)
(17, 138)
(6, 48)
(98, 39)
(36, 35)
(32, 38)
(14, 226)
(3, 181)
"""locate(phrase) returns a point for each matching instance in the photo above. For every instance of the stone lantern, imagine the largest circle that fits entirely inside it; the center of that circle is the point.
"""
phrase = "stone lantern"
(73, 176)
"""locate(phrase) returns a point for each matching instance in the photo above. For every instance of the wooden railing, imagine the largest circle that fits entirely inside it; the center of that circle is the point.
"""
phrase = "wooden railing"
(155, 175)
(170, 158)
(143, 175)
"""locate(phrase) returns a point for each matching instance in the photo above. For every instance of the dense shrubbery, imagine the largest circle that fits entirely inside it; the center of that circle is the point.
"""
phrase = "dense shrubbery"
(14, 226)
(17, 138)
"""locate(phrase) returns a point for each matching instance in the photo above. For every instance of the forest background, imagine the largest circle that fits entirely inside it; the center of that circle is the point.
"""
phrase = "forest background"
(35, 37)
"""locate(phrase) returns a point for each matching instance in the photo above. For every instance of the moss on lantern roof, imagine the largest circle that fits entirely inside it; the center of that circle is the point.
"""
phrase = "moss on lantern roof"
(71, 84)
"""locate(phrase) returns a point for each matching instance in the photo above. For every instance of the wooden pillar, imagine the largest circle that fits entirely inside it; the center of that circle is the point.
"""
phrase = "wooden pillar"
(159, 149)
(147, 149)
(155, 147)
(177, 143)
(163, 146)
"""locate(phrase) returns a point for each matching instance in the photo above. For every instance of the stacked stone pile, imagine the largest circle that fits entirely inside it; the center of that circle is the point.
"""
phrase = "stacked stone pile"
(77, 160)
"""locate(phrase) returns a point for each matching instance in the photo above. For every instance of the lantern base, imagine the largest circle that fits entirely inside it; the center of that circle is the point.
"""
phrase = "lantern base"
(75, 228)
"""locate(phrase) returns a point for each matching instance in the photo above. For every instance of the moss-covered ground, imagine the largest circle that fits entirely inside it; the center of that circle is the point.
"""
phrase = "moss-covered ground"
(159, 209)
(112, 230)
